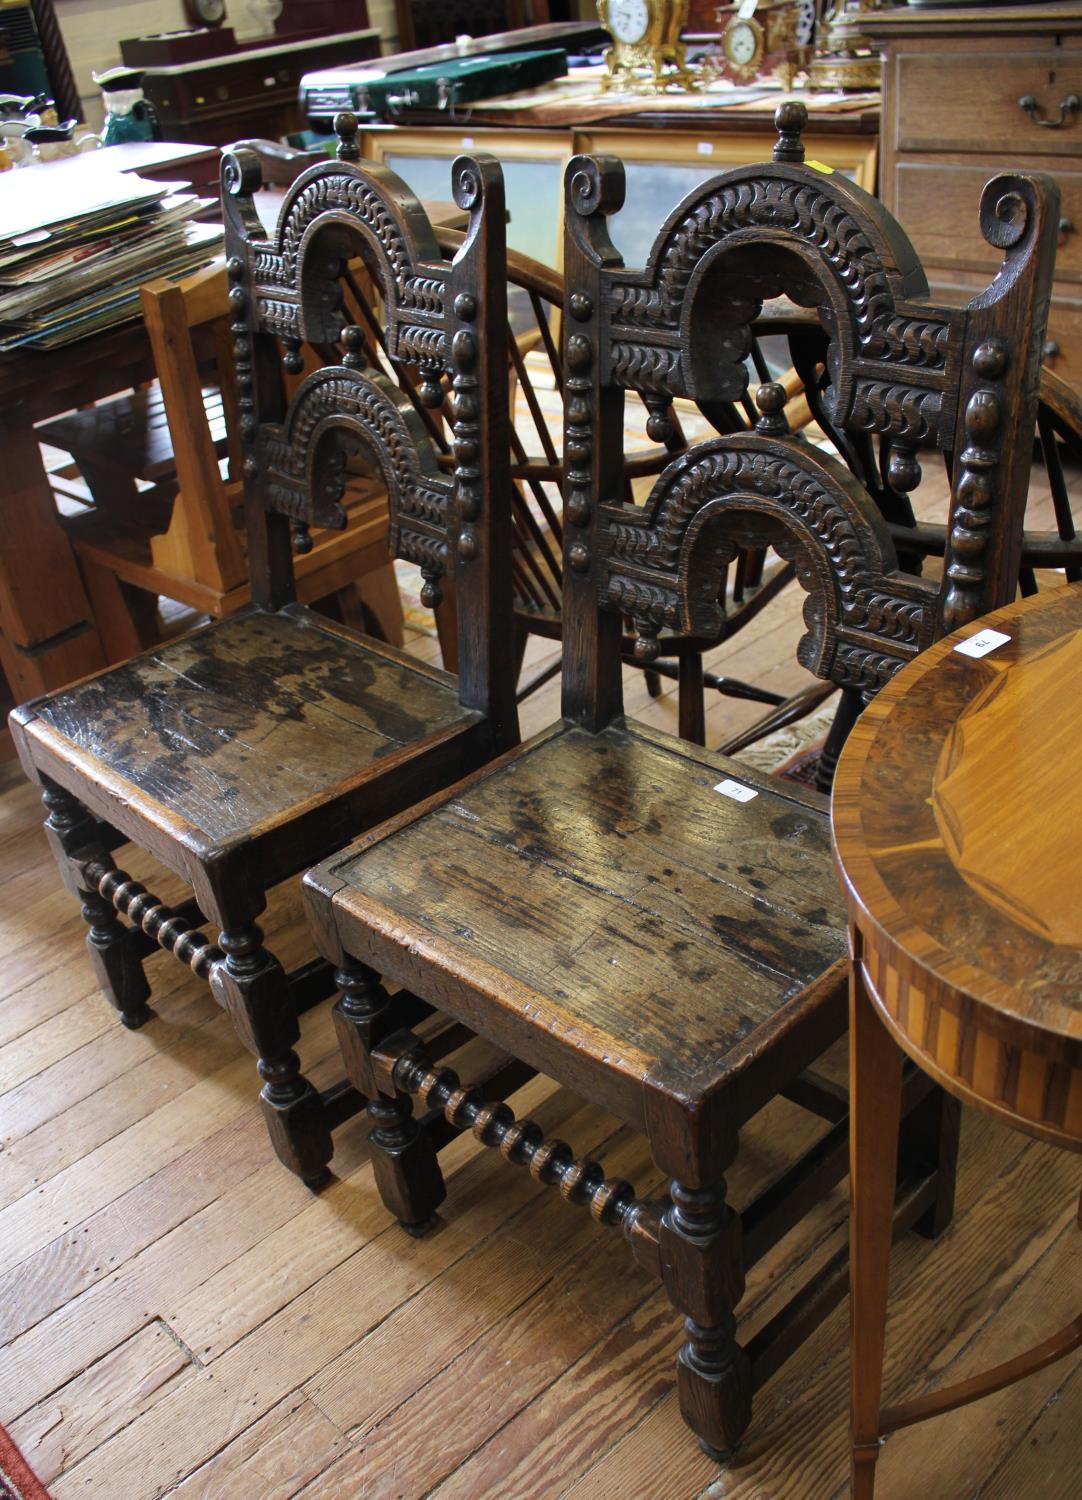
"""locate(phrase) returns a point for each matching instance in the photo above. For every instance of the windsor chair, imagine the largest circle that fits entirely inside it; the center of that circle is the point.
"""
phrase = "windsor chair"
(241, 753)
(654, 926)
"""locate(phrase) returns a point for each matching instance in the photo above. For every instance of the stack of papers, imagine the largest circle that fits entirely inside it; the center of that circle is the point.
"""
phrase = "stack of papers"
(76, 247)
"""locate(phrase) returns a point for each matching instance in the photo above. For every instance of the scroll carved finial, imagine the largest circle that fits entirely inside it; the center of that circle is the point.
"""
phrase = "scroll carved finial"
(790, 119)
(345, 128)
(770, 399)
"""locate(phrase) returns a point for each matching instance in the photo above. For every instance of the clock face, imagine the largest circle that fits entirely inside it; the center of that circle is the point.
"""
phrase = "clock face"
(741, 42)
(805, 23)
(205, 12)
(628, 20)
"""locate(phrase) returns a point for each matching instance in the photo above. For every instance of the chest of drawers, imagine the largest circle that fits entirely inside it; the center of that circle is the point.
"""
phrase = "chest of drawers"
(968, 93)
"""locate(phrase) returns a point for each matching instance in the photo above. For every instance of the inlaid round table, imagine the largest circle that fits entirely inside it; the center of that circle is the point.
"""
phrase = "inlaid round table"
(957, 839)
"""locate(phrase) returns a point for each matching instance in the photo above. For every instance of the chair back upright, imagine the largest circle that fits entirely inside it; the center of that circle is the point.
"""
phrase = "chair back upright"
(447, 317)
(962, 380)
(201, 542)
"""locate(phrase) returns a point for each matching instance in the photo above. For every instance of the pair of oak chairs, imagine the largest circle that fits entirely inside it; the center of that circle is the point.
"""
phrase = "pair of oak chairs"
(653, 925)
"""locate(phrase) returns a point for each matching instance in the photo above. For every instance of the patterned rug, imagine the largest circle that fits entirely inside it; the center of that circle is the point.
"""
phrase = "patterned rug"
(17, 1480)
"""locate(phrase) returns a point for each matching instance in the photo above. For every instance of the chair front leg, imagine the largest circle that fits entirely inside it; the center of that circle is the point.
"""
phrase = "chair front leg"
(702, 1265)
(404, 1160)
(251, 984)
(118, 967)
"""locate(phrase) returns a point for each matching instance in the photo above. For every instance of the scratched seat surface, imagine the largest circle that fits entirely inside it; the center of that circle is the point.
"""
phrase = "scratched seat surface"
(233, 726)
(641, 916)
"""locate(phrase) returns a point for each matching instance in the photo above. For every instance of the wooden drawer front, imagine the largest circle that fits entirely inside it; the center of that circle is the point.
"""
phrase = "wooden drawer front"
(1064, 317)
(958, 103)
(937, 204)
(1065, 333)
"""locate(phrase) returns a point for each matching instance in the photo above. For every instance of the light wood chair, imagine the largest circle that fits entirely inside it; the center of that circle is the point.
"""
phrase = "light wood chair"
(186, 540)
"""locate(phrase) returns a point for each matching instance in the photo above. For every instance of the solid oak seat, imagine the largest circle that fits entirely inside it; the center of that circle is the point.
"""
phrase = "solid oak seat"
(238, 726)
(661, 927)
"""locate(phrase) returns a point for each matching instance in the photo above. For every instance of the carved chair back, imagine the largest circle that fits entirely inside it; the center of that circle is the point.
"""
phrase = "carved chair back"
(446, 316)
(963, 380)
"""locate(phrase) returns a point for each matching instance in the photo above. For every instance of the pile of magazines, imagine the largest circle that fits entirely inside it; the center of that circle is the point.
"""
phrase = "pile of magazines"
(75, 246)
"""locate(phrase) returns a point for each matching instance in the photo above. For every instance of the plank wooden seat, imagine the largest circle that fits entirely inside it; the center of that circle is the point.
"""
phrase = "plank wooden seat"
(231, 729)
(239, 754)
(651, 924)
(660, 927)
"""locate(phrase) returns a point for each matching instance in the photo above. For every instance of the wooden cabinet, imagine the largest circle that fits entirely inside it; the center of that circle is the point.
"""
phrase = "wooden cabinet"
(969, 93)
(252, 92)
(665, 155)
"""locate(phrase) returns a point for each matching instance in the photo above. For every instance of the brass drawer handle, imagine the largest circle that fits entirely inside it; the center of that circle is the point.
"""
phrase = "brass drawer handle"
(1067, 111)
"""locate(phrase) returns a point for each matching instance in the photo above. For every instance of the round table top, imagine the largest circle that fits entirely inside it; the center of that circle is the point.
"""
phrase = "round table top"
(959, 842)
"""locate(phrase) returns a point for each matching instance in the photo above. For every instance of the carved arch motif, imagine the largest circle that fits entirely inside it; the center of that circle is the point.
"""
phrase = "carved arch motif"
(302, 477)
(663, 563)
(295, 273)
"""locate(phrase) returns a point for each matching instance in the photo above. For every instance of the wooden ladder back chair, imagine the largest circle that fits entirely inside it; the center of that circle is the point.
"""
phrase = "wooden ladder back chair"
(243, 752)
(657, 927)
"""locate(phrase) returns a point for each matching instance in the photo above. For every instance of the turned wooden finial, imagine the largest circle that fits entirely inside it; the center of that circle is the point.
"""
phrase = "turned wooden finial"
(770, 399)
(790, 119)
(345, 128)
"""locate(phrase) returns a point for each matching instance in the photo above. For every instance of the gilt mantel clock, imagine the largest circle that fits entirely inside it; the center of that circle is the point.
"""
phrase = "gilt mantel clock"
(647, 55)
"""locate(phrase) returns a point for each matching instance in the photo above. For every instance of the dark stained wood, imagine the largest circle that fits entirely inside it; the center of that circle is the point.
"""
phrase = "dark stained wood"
(658, 923)
(961, 878)
(650, 924)
(239, 723)
(240, 754)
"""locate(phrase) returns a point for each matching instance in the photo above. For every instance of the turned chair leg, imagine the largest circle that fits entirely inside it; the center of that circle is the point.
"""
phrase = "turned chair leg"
(111, 945)
(251, 984)
(404, 1161)
(703, 1269)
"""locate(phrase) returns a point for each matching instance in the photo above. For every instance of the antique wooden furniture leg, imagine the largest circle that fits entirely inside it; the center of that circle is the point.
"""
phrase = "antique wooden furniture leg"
(71, 831)
(403, 1155)
(49, 636)
(875, 1074)
(251, 985)
(703, 1269)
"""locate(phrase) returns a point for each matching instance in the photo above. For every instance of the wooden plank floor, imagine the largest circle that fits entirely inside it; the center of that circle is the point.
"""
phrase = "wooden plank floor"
(178, 1316)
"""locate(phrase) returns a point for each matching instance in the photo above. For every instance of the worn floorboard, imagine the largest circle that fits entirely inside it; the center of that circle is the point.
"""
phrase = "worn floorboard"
(179, 1317)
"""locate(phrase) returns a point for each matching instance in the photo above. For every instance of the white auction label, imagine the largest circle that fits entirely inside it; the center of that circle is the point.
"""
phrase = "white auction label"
(705, 148)
(746, 9)
(734, 790)
(982, 643)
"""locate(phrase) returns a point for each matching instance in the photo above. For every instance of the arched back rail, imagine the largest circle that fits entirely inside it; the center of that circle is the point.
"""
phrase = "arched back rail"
(301, 461)
(446, 316)
(960, 379)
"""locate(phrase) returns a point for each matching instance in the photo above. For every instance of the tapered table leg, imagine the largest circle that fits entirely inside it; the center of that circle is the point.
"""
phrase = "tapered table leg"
(875, 1071)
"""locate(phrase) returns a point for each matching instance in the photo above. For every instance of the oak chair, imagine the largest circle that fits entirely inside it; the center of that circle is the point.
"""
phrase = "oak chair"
(243, 752)
(654, 926)
(187, 542)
